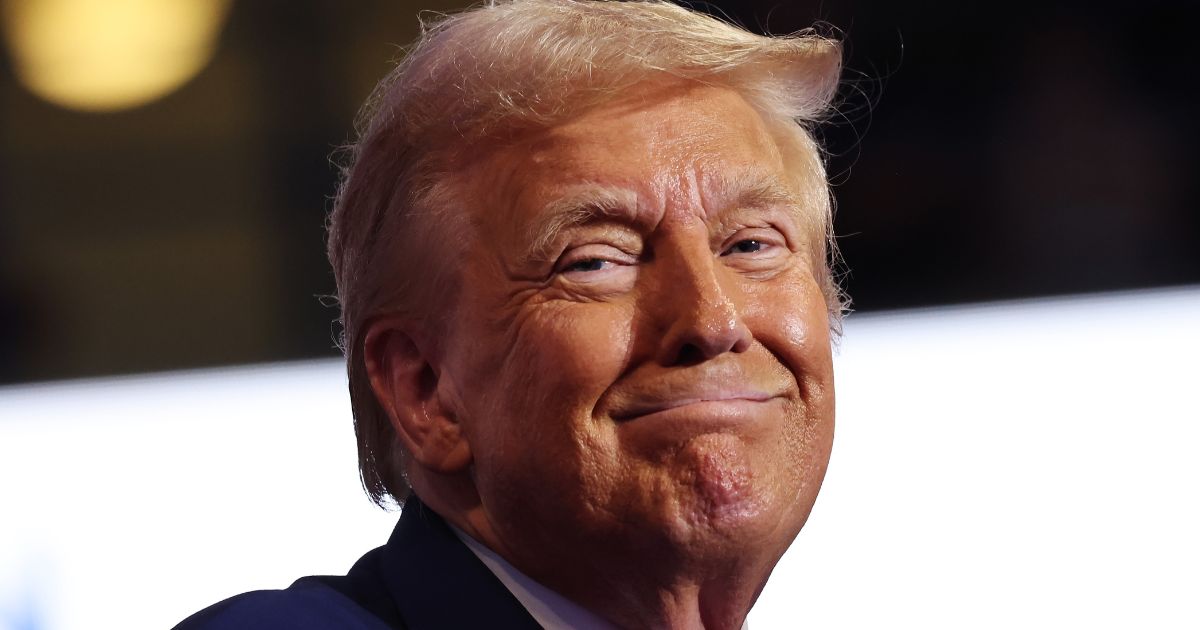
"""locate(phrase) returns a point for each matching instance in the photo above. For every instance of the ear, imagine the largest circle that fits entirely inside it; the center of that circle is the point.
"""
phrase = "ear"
(405, 381)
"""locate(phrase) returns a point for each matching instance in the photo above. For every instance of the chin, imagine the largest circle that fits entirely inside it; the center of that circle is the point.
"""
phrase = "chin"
(728, 502)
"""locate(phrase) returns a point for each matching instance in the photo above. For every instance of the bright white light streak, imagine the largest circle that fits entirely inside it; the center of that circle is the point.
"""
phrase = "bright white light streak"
(1013, 465)
(134, 502)
(1019, 465)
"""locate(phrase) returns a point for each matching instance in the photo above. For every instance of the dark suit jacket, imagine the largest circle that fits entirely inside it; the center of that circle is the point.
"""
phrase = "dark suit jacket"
(424, 577)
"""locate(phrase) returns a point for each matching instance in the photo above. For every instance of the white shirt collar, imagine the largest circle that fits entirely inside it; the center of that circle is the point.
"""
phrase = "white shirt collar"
(551, 610)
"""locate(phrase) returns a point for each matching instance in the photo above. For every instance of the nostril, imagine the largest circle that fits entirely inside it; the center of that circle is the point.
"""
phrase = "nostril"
(690, 354)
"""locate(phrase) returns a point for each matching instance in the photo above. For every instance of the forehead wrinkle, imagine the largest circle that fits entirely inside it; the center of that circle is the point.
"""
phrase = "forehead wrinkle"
(578, 207)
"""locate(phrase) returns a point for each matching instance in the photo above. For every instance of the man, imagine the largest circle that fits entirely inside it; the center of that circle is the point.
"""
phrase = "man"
(581, 257)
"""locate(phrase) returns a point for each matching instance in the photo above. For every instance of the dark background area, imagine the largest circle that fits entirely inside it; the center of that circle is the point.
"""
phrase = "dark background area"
(980, 152)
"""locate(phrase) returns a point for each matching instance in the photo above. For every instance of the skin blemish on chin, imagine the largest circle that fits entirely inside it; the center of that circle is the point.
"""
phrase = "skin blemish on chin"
(720, 473)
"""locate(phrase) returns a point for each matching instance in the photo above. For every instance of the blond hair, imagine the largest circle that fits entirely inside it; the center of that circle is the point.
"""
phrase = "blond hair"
(494, 72)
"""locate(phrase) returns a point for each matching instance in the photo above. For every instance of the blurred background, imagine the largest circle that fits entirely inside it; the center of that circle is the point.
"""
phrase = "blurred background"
(164, 165)
(1018, 208)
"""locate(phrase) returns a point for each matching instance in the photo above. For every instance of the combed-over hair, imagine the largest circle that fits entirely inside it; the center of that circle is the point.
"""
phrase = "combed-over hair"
(502, 69)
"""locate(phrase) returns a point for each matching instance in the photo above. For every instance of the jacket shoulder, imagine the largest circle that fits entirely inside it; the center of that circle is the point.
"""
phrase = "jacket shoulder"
(309, 604)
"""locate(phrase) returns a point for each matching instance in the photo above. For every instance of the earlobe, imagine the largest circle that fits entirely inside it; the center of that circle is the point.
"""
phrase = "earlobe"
(405, 382)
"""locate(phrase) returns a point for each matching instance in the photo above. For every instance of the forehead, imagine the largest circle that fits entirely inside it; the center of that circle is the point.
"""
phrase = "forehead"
(659, 146)
(652, 136)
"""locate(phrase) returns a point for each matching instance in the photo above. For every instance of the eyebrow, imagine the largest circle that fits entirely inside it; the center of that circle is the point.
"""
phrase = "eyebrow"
(578, 207)
(597, 203)
(755, 190)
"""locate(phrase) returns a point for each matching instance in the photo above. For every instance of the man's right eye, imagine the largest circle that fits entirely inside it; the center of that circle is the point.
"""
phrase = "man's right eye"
(593, 258)
(587, 264)
(600, 269)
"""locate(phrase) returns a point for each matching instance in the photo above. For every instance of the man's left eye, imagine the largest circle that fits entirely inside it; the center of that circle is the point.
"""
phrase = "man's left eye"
(746, 246)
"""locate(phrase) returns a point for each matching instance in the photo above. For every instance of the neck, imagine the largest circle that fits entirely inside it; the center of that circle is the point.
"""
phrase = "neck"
(627, 593)
(648, 583)
(693, 606)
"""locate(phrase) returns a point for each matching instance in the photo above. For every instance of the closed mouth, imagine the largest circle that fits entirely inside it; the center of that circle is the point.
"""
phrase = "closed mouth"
(718, 399)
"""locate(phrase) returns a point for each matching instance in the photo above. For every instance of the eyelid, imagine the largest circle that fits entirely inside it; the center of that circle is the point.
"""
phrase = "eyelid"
(769, 236)
(590, 251)
(783, 220)
(614, 276)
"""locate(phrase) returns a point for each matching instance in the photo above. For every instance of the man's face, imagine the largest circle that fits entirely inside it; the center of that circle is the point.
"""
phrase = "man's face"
(640, 358)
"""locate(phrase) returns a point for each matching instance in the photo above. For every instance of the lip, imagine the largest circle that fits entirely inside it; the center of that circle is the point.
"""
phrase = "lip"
(721, 401)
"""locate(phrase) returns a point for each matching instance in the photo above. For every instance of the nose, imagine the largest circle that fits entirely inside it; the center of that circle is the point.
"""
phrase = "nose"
(703, 321)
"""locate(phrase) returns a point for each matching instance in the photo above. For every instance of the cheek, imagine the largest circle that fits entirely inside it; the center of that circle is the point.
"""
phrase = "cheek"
(789, 317)
(573, 351)
(791, 321)
(539, 449)
(542, 384)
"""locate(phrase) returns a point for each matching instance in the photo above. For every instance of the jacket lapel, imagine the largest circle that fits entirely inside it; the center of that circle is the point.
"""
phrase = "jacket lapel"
(437, 582)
